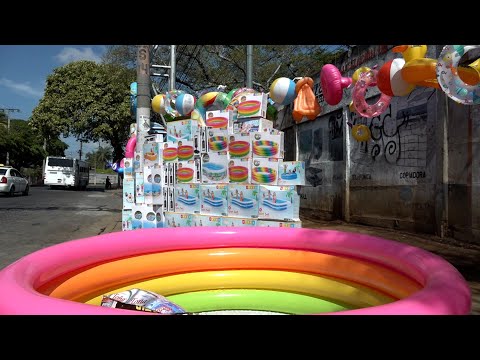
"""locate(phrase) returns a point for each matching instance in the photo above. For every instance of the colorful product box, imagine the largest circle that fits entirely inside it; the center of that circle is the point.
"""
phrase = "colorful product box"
(206, 220)
(188, 171)
(238, 222)
(217, 140)
(252, 125)
(220, 119)
(127, 220)
(128, 193)
(281, 224)
(128, 168)
(153, 185)
(169, 152)
(239, 170)
(182, 130)
(239, 145)
(185, 150)
(214, 168)
(291, 173)
(279, 203)
(152, 154)
(213, 199)
(266, 145)
(139, 189)
(138, 161)
(264, 171)
(252, 105)
(243, 200)
(187, 198)
(174, 219)
(147, 217)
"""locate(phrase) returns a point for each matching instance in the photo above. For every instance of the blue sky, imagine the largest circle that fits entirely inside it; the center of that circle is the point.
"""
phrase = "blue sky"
(23, 74)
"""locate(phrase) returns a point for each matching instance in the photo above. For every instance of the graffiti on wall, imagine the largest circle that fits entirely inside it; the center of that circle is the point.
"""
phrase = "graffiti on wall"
(399, 135)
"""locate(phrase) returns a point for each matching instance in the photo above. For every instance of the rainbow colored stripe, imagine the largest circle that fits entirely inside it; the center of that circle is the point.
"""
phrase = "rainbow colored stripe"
(264, 175)
(239, 148)
(185, 174)
(217, 143)
(238, 173)
(170, 154)
(217, 122)
(185, 152)
(249, 107)
(265, 148)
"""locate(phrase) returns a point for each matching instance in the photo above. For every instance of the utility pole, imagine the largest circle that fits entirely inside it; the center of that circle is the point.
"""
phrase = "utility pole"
(249, 83)
(143, 93)
(172, 67)
(6, 111)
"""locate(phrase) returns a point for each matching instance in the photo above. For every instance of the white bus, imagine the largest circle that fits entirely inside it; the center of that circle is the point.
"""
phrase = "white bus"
(66, 172)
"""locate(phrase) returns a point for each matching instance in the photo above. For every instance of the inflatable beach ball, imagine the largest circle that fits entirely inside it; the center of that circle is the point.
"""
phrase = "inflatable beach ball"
(184, 104)
(282, 91)
(390, 81)
(158, 104)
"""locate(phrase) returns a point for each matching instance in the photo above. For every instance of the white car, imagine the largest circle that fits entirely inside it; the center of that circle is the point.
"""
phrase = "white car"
(11, 181)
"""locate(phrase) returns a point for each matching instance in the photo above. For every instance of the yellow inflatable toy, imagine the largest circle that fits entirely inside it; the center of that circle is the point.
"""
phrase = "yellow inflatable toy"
(421, 71)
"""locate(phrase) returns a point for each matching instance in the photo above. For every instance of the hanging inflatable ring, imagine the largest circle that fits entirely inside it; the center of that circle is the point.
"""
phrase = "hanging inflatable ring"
(366, 80)
(450, 82)
(361, 133)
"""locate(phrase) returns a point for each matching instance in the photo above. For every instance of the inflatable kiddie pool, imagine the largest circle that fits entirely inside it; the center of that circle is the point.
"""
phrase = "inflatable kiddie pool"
(293, 271)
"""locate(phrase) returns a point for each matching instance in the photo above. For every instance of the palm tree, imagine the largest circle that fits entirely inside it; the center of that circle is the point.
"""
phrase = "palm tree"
(289, 194)
(224, 192)
(254, 194)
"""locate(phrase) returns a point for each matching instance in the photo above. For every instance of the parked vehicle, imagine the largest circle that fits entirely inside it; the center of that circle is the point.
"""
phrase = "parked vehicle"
(66, 172)
(12, 181)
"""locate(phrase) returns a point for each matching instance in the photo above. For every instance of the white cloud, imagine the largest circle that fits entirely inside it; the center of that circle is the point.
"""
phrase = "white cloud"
(69, 54)
(24, 89)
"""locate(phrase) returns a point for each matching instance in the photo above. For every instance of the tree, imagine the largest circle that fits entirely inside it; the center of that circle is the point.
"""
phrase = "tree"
(87, 100)
(204, 67)
(99, 158)
(25, 146)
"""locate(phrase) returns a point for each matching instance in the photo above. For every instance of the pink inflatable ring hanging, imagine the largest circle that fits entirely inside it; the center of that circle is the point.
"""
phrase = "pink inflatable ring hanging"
(366, 80)
(333, 84)
(443, 289)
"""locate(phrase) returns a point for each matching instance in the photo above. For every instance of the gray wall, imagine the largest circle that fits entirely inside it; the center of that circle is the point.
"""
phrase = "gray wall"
(420, 171)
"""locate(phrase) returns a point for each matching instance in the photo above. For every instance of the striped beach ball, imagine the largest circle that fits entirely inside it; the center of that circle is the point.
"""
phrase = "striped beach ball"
(390, 81)
(282, 91)
(185, 104)
(158, 104)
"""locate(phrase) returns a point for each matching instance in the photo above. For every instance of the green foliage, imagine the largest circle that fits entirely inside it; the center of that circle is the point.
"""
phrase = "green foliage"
(25, 146)
(201, 67)
(98, 158)
(87, 100)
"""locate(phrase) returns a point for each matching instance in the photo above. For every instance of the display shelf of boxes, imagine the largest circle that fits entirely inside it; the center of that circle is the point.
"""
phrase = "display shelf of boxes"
(229, 173)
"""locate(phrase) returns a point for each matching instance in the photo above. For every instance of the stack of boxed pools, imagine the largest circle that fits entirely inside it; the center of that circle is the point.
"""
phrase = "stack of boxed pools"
(229, 173)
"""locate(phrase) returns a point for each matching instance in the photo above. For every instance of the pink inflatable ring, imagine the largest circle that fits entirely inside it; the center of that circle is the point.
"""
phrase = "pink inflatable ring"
(443, 289)
(366, 80)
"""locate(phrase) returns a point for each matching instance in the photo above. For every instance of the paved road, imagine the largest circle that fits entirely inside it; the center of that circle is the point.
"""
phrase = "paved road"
(48, 217)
